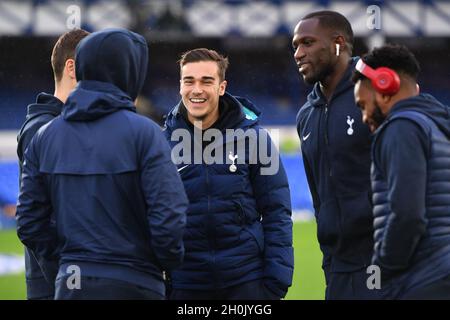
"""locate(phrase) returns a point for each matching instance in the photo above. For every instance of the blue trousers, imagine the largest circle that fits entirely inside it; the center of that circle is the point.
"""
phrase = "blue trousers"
(350, 286)
(93, 288)
(252, 290)
(438, 290)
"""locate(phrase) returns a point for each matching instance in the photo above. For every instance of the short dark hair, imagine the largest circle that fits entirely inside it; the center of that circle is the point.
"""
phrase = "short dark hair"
(394, 56)
(334, 21)
(203, 54)
(65, 49)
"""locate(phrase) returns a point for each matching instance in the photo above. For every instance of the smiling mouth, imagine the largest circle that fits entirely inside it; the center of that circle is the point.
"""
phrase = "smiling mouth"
(197, 100)
(302, 67)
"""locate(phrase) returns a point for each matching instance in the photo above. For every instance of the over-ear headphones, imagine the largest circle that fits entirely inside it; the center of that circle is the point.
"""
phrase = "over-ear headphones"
(384, 80)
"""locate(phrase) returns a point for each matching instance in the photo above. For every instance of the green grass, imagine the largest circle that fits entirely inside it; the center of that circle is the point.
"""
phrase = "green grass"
(9, 243)
(308, 282)
(12, 287)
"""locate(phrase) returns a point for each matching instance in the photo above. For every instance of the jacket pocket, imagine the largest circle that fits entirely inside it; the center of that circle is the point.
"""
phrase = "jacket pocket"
(328, 223)
(254, 229)
(257, 233)
(356, 221)
(356, 218)
(240, 214)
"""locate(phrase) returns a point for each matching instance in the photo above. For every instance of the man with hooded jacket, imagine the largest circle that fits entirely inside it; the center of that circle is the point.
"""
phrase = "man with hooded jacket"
(335, 147)
(238, 235)
(106, 174)
(410, 177)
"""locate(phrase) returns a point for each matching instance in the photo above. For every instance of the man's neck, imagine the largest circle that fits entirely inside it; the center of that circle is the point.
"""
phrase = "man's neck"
(405, 92)
(62, 91)
(329, 84)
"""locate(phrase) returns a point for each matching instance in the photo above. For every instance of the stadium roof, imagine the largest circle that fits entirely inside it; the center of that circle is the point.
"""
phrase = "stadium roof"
(221, 18)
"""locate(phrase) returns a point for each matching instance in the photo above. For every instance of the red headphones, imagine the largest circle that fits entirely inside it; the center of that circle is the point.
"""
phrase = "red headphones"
(384, 80)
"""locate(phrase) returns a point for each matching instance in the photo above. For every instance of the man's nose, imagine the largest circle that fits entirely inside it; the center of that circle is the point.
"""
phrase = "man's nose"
(197, 88)
(299, 53)
(365, 119)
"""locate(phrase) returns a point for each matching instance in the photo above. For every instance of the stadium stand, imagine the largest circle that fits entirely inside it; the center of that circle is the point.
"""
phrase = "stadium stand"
(254, 34)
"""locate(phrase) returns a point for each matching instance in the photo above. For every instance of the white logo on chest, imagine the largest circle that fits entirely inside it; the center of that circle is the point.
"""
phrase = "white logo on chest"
(233, 158)
(350, 123)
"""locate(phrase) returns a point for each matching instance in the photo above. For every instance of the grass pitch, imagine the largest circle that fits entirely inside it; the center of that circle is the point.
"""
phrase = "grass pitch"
(308, 282)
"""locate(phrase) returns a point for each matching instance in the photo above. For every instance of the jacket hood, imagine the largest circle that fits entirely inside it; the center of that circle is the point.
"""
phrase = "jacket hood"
(238, 112)
(429, 106)
(110, 66)
(115, 56)
(316, 98)
(45, 103)
(93, 99)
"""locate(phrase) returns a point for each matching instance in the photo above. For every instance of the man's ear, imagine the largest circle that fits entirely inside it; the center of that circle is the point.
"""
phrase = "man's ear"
(341, 42)
(69, 68)
(223, 87)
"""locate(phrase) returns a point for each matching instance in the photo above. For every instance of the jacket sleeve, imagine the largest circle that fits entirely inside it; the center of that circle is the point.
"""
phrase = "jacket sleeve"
(165, 198)
(401, 156)
(34, 226)
(311, 184)
(271, 190)
(301, 118)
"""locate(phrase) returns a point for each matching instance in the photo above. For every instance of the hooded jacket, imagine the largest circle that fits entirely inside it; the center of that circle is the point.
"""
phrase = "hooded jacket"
(239, 225)
(46, 108)
(411, 185)
(106, 173)
(335, 146)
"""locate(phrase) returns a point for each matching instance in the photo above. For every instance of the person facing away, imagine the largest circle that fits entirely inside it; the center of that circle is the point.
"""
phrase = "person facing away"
(46, 108)
(106, 175)
(238, 235)
(335, 146)
(410, 178)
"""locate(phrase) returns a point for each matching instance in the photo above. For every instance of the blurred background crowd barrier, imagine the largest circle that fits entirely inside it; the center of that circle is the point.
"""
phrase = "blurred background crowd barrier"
(255, 35)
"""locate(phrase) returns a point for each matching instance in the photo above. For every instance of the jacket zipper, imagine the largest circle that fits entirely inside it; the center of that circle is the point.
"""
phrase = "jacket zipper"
(211, 240)
(326, 124)
(327, 141)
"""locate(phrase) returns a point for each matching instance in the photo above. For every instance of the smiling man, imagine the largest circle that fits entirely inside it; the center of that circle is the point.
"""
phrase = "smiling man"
(336, 153)
(238, 239)
(410, 175)
(202, 102)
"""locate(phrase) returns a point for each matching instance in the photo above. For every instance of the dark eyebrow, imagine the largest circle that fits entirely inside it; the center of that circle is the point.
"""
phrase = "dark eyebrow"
(203, 78)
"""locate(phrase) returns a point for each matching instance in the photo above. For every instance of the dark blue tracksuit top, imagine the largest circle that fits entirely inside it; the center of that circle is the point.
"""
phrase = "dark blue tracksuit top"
(106, 174)
(239, 225)
(336, 155)
(46, 108)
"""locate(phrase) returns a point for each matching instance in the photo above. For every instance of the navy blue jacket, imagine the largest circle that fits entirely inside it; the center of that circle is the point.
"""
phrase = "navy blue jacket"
(46, 108)
(239, 225)
(411, 186)
(106, 173)
(335, 147)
